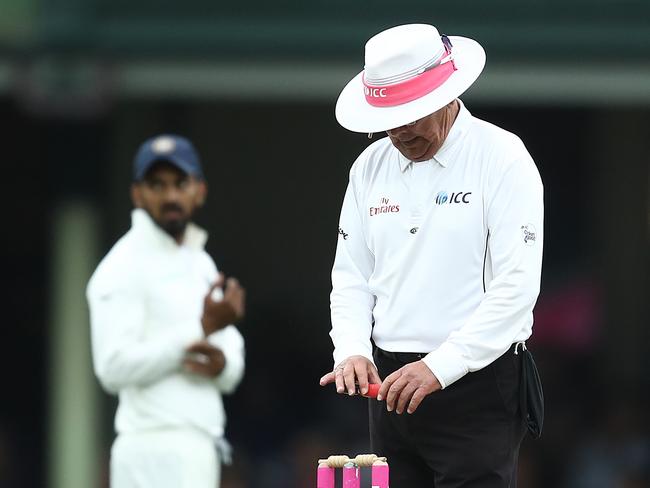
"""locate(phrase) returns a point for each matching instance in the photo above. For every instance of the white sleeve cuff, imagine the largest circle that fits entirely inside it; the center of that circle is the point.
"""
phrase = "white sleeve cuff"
(231, 343)
(447, 364)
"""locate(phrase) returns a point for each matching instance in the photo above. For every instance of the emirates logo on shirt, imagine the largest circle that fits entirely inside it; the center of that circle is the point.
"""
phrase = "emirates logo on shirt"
(385, 206)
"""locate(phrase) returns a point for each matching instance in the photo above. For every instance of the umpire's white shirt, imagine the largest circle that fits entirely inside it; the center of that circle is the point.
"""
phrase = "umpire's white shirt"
(442, 256)
(146, 300)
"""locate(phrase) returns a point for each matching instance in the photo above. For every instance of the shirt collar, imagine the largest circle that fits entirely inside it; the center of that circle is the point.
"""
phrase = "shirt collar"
(404, 162)
(444, 156)
(195, 237)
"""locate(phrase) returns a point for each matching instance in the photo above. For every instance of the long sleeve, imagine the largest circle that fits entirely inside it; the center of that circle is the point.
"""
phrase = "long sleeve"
(121, 357)
(231, 343)
(514, 213)
(351, 300)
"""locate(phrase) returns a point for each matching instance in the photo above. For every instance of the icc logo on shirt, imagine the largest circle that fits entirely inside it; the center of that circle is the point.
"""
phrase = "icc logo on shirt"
(457, 197)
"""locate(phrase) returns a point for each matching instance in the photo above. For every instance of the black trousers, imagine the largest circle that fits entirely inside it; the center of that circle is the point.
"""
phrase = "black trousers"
(467, 435)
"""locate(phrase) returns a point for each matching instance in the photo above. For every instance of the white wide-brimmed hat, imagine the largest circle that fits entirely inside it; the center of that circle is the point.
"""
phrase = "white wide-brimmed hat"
(410, 72)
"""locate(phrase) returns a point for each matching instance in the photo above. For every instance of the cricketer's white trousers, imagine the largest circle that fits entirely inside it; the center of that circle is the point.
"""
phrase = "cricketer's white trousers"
(164, 458)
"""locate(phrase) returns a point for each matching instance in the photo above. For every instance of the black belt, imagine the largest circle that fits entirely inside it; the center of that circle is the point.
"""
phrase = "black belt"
(411, 357)
(402, 357)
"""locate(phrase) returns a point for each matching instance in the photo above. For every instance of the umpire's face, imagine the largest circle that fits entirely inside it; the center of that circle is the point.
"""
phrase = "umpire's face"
(170, 196)
(421, 139)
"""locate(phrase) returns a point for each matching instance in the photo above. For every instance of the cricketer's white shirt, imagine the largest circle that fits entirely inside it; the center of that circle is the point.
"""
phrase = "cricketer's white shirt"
(442, 256)
(146, 301)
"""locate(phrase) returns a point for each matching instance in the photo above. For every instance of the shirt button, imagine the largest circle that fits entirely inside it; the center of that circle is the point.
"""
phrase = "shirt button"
(413, 230)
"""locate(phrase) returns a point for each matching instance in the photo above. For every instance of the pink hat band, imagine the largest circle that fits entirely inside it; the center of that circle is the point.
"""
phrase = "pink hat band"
(394, 94)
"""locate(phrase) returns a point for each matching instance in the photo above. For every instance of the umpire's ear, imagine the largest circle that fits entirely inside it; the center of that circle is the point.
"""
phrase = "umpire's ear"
(136, 195)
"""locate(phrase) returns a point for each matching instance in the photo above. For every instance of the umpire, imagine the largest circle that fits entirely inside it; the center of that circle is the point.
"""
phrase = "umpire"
(437, 266)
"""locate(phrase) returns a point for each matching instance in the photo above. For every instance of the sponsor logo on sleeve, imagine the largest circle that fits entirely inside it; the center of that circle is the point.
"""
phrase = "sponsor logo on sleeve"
(529, 234)
(343, 234)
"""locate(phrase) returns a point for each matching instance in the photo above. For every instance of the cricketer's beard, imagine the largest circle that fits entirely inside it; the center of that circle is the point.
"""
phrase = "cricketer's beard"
(175, 226)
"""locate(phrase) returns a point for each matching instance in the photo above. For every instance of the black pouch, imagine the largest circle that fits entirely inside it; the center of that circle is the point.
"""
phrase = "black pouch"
(531, 394)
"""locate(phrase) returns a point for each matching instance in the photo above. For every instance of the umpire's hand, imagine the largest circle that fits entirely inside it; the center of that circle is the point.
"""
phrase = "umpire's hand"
(355, 369)
(407, 387)
(217, 314)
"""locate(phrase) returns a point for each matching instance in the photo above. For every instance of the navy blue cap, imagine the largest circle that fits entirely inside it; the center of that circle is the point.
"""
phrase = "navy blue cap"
(176, 150)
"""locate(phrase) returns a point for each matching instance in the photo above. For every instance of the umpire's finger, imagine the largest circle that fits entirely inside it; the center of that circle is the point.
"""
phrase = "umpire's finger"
(405, 397)
(327, 378)
(417, 398)
(340, 381)
(395, 391)
(387, 383)
(349, 377)
(361, 371)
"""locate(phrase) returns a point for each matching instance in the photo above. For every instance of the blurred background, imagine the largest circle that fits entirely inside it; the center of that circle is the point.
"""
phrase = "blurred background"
(253, 84)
